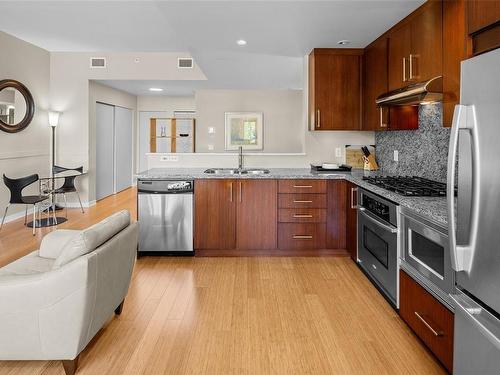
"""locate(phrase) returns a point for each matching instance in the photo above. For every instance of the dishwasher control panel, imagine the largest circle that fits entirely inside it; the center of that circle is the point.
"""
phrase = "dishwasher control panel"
(154, 186)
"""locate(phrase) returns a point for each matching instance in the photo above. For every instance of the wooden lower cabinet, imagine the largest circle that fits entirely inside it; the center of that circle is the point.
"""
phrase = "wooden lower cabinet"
(235, 214)
(215, 214)
(428, 318)
(256, 214)
(352, 220)
(336, 218)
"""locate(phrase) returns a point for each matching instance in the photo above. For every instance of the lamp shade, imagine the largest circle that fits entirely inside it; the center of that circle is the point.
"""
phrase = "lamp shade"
(53, 118)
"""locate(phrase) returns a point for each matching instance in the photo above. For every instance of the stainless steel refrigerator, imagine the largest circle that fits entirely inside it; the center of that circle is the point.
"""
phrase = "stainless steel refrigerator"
(474, 221)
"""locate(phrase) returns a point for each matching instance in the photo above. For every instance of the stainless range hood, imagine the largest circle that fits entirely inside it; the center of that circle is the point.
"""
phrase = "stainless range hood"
(419, 93)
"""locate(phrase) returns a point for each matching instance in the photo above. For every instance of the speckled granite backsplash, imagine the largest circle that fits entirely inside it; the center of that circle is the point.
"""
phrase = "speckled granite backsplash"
(422, 152)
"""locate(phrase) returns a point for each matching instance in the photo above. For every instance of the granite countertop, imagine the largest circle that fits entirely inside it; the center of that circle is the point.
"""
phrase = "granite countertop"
(431, 208)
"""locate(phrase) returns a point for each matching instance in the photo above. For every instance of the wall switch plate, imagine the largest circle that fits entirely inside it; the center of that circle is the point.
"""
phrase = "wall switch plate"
(210, 147)
(338, 152)
(211, 130)
(396, 155)
(169, 158)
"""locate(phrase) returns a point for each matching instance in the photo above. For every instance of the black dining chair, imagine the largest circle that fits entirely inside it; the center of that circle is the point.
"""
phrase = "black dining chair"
(16, 186)
(68, 185)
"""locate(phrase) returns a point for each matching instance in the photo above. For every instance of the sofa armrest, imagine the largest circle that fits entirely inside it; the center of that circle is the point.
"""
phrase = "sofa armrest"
(53, 243)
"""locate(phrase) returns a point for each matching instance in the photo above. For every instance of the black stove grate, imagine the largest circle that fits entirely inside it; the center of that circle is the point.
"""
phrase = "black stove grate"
(411, 186)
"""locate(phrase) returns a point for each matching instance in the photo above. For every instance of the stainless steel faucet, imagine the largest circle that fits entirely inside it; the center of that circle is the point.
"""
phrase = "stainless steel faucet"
(240, 158)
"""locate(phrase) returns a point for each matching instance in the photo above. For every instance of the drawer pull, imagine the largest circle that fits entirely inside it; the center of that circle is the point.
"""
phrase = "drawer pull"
(302, 216)
(301, 237)
(434, 332)
(302, 201)
(302, 186)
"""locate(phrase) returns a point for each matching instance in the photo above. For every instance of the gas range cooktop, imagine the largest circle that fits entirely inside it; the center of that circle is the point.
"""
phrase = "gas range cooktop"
(411, 186)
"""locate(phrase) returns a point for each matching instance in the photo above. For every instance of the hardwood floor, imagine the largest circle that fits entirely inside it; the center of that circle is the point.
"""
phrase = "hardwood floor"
(259, 315)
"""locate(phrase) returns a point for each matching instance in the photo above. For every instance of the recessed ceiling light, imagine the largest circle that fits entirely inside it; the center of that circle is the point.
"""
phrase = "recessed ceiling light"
(343, 42)
(155, 89)
(241, 42)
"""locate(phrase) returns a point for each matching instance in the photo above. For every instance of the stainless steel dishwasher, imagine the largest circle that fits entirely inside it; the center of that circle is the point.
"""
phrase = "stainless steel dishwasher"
(165, 215)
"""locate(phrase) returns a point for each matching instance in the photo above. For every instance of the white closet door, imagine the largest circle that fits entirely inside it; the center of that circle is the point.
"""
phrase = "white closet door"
(123, 148)
(105, 115)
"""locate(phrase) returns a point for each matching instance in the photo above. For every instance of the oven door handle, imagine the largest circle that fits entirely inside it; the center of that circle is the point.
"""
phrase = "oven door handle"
(386, 227)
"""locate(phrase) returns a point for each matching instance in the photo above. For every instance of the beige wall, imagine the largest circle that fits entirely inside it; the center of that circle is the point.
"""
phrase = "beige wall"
(282, 114)
(70, 73)
(107, 95)
(165, 104)
(28, 151)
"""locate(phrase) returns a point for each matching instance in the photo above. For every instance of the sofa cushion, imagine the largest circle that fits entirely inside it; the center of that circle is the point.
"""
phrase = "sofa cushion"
(27, 265)
(91, 238)
(53, 243)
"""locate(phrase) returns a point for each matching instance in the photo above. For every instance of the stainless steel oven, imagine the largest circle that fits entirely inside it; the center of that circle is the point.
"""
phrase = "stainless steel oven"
(425, 249)
(378, 242)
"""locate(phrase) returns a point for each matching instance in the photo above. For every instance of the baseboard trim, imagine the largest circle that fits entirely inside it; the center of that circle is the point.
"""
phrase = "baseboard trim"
(77, 205)
(17, 215)
(272, 252)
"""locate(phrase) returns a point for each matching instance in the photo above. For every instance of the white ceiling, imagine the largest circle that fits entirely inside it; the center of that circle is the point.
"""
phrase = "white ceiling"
(279, 33)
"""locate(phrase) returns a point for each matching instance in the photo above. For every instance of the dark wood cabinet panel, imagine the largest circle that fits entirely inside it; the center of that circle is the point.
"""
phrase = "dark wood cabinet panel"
(335, 89)
(482, 14)
(215, 214)
(398, 56)
(375, 84)
(256, 208)
(336, 214)
(303, 236)
(302, 215)
(303, 186)
(301, 200)
(425, 60)
(428, 318)
(352, 220)
(455, 49)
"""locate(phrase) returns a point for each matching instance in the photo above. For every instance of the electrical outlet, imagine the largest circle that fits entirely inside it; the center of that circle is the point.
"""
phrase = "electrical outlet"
(338, 152)
(396, 155)
(211, 130)
(210, 147)
(169, 158)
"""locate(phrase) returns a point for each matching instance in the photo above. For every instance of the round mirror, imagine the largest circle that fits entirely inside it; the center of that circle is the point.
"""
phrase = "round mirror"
(16, 106)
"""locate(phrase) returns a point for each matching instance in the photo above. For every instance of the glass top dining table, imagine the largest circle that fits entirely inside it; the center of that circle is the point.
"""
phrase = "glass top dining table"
(48, 185)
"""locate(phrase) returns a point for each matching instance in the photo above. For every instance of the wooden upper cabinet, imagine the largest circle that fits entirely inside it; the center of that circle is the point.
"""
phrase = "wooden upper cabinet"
(482, 14)
(483, 24)
(375, 84)
(256, 218)
(415, 47)
(399, 53)
(425, 60)
(335, 89)
(215, 214)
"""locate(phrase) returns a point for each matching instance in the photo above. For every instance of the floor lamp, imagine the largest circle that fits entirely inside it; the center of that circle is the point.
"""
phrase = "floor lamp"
(53, 122)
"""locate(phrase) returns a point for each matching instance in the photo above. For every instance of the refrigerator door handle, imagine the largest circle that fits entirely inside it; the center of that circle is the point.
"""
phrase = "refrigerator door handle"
(479, 317)
(461, 255)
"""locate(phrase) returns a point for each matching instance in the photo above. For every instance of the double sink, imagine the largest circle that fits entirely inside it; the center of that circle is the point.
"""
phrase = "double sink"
(235, 171)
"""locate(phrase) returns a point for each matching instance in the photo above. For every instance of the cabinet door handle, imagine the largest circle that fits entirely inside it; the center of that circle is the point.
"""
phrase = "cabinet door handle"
(318, 118)
(231, 192)
(241, 192)
(404, 69)
(301, 216)
(411, 66)
(382, 124)
(302, 237)
(353, 206)
(434, 332)
(298, 201)
(302, 186)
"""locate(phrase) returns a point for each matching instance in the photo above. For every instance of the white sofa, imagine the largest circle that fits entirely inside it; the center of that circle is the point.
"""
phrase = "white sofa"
(54, 300)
